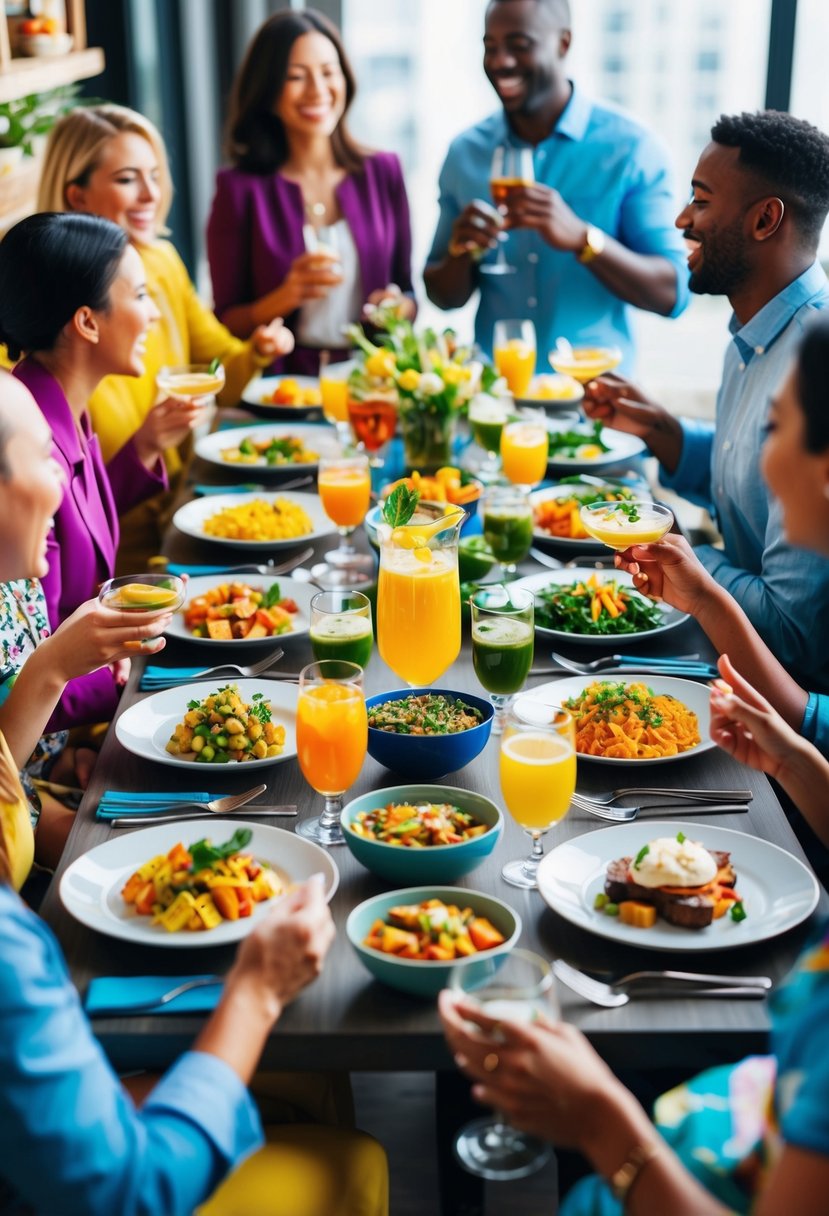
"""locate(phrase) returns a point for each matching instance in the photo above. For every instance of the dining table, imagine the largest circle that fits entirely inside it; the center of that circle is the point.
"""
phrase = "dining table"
(348, 1020)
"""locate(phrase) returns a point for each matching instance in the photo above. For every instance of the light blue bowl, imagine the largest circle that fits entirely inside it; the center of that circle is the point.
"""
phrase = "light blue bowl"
(426, 979)
(427, 757)
(438, 863)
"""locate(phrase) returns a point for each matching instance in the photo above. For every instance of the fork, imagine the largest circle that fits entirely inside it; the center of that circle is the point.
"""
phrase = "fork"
(627, 814)
(682, 664)
(248, 568)
(664, 792)
(659, 983)
(204, 981)
(249, 669)
(217, 806)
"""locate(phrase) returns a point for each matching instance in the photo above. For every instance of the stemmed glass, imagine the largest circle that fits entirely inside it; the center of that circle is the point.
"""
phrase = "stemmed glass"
(520, 989)
(197, 382)
(538, 777)
(344, 484)
(514, 351)
(583, 363)
(508, 525)
(341, 626)
(151, 593)
(502, 644)
(622, 524)
(331, 740)
(511, 170)
(525, 447)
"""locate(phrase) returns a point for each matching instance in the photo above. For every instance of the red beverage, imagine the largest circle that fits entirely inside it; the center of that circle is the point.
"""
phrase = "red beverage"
(374, 422)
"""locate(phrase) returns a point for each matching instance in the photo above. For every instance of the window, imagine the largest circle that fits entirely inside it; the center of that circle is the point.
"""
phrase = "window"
(708, 61)
(810, 97)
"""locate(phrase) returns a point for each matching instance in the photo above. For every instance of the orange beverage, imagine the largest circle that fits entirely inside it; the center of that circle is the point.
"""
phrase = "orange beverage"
(334, 393)
(538, 776)
(524, 448)
(418, 613)
(503, 188)
(331, 735)
(515, 361)
(345, 491)
(373, 422)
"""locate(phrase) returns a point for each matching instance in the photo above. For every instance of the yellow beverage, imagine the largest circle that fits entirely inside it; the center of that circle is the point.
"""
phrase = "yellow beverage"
(515, 360)
(191, 384)
(141, 597)
(334, 394)
(345, 493)
(524, 447)
(331, 735)
(585, 363)
(418, 613)
(614, 527)
(538, 776)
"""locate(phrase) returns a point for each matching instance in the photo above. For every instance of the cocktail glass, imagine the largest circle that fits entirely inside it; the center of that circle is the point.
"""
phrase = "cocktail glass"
(488, 417)
(508, 525)
(155, 593)
(520, 989)
(502, 644)
(584, 363)
(331, 740)
(621, 524)
(538, 777)
(511, 170)
(344, 484)
(197, 382)
(374, 422)
(418, 596)
(514, 351)
(524, 450)
(341, 626)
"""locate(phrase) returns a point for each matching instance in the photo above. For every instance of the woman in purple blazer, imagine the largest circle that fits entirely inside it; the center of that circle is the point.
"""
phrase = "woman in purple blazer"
(306, 224)
(73, 300)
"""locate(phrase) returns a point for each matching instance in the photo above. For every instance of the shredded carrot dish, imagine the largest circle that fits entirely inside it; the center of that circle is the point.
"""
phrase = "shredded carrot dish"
(630, 722)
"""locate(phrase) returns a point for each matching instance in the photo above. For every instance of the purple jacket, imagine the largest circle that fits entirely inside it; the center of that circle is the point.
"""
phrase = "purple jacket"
(83, 542)
(254, 233)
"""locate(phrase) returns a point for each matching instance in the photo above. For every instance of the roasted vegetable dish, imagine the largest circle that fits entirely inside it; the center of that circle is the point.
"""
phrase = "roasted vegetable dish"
(417, 827)
(237, 610)
(276, 451)
(290, 392)
(223, 727)
(433, 932)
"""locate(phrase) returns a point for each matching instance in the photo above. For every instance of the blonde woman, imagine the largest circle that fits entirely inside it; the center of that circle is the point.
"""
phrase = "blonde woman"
(111, 161)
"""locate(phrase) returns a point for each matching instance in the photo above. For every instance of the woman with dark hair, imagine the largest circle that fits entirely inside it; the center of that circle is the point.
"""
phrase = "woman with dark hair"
(298, 185)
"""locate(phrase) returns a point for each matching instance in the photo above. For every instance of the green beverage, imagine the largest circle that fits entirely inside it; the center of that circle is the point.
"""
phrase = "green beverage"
(502, 652)
(488, 433)
(509, 533)
(345, 636)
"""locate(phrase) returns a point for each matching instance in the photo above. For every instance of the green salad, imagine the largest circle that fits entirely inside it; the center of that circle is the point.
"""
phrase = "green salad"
(595, 607)
(587, 444)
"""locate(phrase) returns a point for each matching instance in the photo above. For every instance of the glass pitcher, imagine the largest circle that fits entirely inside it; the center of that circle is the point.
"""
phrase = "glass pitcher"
(418, 594)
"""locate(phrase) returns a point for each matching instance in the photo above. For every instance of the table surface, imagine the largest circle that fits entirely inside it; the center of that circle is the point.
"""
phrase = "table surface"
(347, 1019)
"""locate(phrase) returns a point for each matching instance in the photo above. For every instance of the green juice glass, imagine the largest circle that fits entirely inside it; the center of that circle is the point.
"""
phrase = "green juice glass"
(503, 633)
(341, 627)
(508, 525)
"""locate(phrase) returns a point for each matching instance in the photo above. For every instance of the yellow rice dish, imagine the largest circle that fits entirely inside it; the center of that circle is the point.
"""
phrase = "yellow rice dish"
(260, 520)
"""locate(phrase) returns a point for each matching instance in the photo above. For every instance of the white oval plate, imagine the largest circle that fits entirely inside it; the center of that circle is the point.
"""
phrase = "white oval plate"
(256, 392)
(778, 891)
(622, 447)
(190, 518)
(319, 439)
(585, 544)
(694, 696)
(671, 617)
(145, 728)
(303, 593)
(91, 887)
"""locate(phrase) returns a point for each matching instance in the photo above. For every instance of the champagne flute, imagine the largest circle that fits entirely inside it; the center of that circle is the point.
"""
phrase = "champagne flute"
(512, 169)
(331, 740)
(538, 776)
(520, 989)
(344, 484)
(502, 644)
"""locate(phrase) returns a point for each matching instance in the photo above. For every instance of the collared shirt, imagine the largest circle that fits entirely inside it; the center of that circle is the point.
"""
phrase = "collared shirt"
(784, 591)
(72, 1140)
(614, 174)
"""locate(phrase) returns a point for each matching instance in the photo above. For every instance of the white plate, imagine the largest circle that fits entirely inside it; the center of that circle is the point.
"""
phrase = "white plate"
(319, 439)
(778, 890)
(256, 392)
(303, 593)
(671, 617)
(553, 405)
(91, 887)
(694, 696)
(190, 518)
(622, 447)
(145, 728)
(585, 544)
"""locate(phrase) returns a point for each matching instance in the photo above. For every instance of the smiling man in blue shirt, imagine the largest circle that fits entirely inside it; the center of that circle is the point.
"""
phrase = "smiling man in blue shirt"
(592, 236)
(760, 199)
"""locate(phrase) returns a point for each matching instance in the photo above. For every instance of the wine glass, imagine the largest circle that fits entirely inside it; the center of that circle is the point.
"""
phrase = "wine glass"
(583, 363)
(525, 447)
(341, 626)
(331, 740)
(511, 170)
(622, 524)
(514, 352)
(508, 525)
(502, 644)
(520, 989)
(538, 776)
(344, 485)
(198, 382)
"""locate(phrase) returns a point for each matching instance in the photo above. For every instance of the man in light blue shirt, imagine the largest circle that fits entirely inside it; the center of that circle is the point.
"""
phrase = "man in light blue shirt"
(760, 198)
(592, 236)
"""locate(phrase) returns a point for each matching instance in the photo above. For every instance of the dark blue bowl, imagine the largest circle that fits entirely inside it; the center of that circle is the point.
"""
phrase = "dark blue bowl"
(427, 757)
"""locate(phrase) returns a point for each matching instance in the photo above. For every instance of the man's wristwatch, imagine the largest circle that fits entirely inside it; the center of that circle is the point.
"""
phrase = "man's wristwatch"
(594, 243)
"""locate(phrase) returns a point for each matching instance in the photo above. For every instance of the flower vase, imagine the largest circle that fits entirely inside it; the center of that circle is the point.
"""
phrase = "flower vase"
(427, 439)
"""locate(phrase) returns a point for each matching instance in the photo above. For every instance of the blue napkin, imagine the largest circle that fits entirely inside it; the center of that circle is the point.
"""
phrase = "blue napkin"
(248, 487)
(672, 666)
(154, 677)
(189, 568)
(119, 994)
(114, 804)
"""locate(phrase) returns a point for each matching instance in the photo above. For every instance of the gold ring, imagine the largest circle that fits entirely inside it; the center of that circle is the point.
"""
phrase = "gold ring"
(490, 1062)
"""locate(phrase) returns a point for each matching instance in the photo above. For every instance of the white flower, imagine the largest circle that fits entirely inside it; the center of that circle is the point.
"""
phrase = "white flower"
(430, 384)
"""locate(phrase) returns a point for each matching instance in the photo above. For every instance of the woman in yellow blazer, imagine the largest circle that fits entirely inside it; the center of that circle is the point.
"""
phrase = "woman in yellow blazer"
(112, 162)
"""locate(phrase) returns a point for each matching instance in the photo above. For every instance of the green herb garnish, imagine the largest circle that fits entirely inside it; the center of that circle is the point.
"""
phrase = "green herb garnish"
(272, 596)
(215, 364)
(738, 912)
(400, 506)
(260, 708)
(681, 837)
(641, 855)
(630, 509)
(205, 855)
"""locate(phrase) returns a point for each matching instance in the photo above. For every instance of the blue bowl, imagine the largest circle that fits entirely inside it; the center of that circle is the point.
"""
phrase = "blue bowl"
(426, 979)
(438, 863)
(427, 757)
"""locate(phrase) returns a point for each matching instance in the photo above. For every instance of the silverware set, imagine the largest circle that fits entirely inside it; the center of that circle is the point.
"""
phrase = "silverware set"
(660, 984)
(700, 802)
(682, 665)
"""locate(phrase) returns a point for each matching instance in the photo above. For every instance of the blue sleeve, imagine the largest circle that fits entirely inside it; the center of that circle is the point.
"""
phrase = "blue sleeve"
(73, 1142)
(449, 204)
(692, 476)
(800, 1040)
(646, 221)
(815, 725)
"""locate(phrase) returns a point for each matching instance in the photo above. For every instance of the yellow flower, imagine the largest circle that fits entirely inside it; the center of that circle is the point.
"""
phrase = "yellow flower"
(409, 380)
(381, 363)
(452, 374)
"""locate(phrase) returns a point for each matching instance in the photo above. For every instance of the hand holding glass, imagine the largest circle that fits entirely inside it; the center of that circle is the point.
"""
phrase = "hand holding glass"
(154, 593)
(512, 169)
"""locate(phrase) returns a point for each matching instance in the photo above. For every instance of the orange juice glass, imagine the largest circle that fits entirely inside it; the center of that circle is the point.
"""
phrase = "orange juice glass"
(524, 449)
(537, 766)
(344, 484)
(331, 739)
(334, 393)
(513, 349)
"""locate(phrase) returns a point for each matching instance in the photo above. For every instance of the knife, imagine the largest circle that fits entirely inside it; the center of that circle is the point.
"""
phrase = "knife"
(253, 812)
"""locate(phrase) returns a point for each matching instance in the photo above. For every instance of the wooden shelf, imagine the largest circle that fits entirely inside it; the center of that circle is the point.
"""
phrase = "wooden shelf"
(36, 75)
